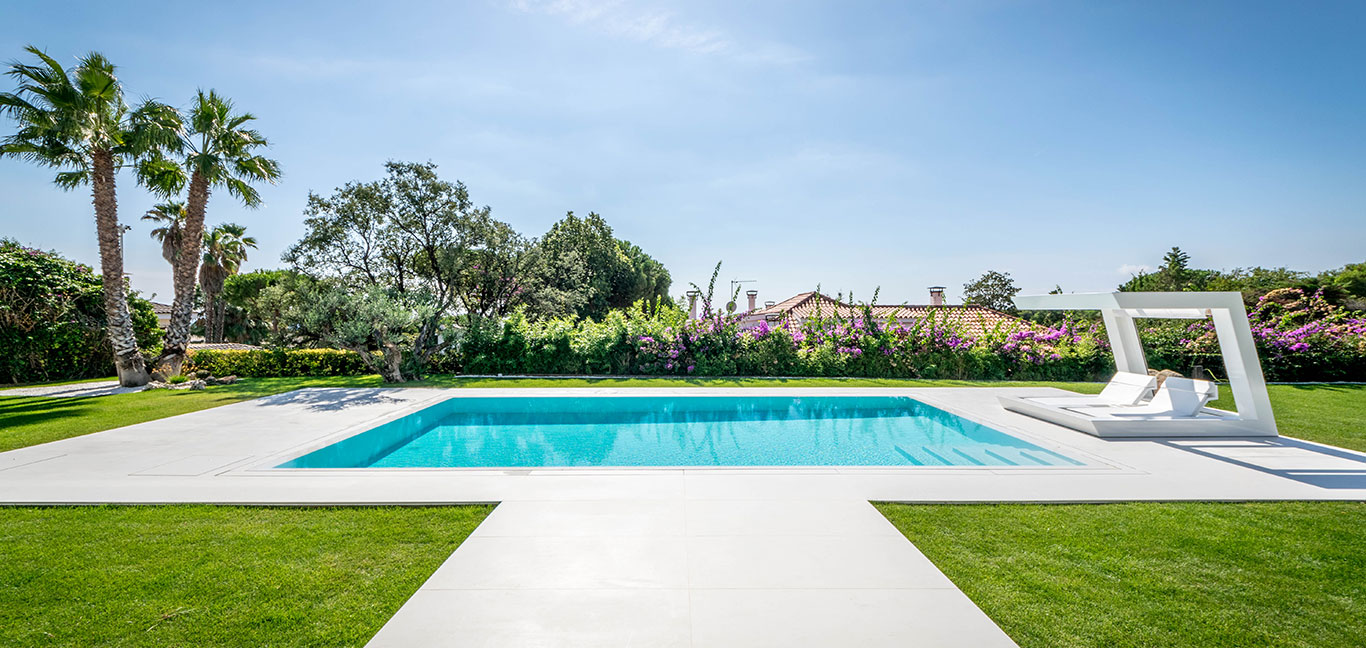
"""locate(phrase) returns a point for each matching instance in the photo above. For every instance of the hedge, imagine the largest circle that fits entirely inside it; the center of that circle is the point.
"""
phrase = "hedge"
(278, 362)
(52, 321)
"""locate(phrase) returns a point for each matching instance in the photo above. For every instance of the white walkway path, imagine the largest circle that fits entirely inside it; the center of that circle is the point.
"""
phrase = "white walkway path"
(696, 557)
(72, 390)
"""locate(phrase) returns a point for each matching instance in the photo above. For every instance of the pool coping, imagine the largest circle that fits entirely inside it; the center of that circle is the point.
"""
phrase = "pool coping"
(272, 464)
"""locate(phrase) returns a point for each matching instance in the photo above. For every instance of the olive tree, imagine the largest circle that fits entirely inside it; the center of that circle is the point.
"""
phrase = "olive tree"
(422, 242)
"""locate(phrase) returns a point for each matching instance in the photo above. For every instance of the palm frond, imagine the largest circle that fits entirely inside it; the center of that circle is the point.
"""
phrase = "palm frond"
(155, 127)
(161, 175)
(69, 180)
(243, 191)
(219, 148)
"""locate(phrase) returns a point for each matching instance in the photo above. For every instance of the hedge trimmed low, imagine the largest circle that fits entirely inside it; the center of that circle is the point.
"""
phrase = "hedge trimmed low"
(278, 362)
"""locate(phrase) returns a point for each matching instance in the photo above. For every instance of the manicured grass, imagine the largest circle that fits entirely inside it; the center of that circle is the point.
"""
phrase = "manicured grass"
(1118, 575)
(215, 576)
(1332, 414)
(26, 421)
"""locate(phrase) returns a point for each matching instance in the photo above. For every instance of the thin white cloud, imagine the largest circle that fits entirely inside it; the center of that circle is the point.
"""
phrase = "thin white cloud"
(656, 27)
(1132, 269)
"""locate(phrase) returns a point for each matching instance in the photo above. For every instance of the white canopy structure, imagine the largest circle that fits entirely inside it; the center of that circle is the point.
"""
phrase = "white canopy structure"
(1120, 310)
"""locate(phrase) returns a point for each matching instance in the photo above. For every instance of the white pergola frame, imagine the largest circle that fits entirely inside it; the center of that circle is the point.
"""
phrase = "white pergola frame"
(1239, 350)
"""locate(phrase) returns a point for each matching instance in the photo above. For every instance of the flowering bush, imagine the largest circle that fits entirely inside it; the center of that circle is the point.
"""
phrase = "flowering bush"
(1299, 337)
(664, 342)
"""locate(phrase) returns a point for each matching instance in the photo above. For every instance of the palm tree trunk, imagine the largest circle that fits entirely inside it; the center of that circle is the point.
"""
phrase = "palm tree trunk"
(220, 314)
(186, 270)
(210, 316)
(128, 360)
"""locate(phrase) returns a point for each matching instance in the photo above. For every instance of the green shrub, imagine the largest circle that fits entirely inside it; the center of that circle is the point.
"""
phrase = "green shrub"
(277, 362)
(52, 322)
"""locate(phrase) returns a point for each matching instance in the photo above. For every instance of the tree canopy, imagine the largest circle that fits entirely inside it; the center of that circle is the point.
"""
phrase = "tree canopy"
(993, 289)
(587, 271)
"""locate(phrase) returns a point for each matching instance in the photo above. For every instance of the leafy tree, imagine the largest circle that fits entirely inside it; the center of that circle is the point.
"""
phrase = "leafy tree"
(225, 248)
(644, 278)
(1257, 281)
(1174, 275)
(993, 289)
(374, 316)
(589, 271)
(1350, 279)
(500, 271)
(216, 149)
(248, 315)
(418, 237)
(78, 121)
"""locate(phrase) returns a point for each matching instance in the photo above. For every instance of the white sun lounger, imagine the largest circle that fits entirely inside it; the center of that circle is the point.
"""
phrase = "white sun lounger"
(1124, 389)
(1178, 398)
(1178, 409)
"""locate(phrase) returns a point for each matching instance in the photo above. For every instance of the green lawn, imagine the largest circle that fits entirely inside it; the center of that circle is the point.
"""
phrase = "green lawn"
(1118, 575)
(205, 575)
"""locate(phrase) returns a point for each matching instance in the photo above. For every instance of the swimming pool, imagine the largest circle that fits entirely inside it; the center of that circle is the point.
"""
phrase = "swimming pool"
(622, 431)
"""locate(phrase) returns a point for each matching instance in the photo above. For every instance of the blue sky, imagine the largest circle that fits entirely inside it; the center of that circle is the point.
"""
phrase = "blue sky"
(847, 144)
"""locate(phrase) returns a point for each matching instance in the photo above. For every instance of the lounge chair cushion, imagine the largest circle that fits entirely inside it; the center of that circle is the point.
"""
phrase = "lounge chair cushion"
(1127, 388)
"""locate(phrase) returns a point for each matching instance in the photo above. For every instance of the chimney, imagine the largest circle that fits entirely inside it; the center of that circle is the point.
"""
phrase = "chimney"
(692, 304)
(936, 295)
(753, 295)
(769, 304)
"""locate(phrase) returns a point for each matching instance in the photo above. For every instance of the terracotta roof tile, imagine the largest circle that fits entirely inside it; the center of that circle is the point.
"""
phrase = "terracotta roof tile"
(974, 320)
(221, 346)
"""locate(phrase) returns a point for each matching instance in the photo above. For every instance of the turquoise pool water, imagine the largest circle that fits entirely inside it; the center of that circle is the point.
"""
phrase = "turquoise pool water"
(527, 432)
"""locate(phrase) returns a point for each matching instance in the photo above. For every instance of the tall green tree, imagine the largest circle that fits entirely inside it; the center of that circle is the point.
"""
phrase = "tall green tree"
(419, 239)
(1174, 275)
(225, 249)
(993, 289)
(590, 271)
(78, 121)
(217, 148)
(170, 215)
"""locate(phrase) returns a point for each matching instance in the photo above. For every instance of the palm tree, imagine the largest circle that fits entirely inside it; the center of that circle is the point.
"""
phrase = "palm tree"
(216, 150)
(79, 122)
(225, 248)
(171, 215)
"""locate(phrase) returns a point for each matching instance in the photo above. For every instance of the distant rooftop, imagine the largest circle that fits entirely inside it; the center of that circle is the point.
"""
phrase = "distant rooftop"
(975, 320)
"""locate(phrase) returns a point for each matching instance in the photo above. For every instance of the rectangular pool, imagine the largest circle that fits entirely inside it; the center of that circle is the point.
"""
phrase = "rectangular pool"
(623, 431)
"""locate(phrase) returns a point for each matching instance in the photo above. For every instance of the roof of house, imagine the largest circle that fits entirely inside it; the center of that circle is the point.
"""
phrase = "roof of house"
(221, 346)
(974, 320)
(161, 309)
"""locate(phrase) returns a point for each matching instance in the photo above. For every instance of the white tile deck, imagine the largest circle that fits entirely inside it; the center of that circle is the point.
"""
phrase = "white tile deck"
(661, 557)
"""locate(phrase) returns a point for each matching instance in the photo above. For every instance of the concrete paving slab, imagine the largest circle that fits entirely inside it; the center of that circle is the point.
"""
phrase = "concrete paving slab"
(786, 518)
(554, 562)
(543, 618)
(552, 518)
(662, 556)
(809, 562)
(75, 390)
(867, 618)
